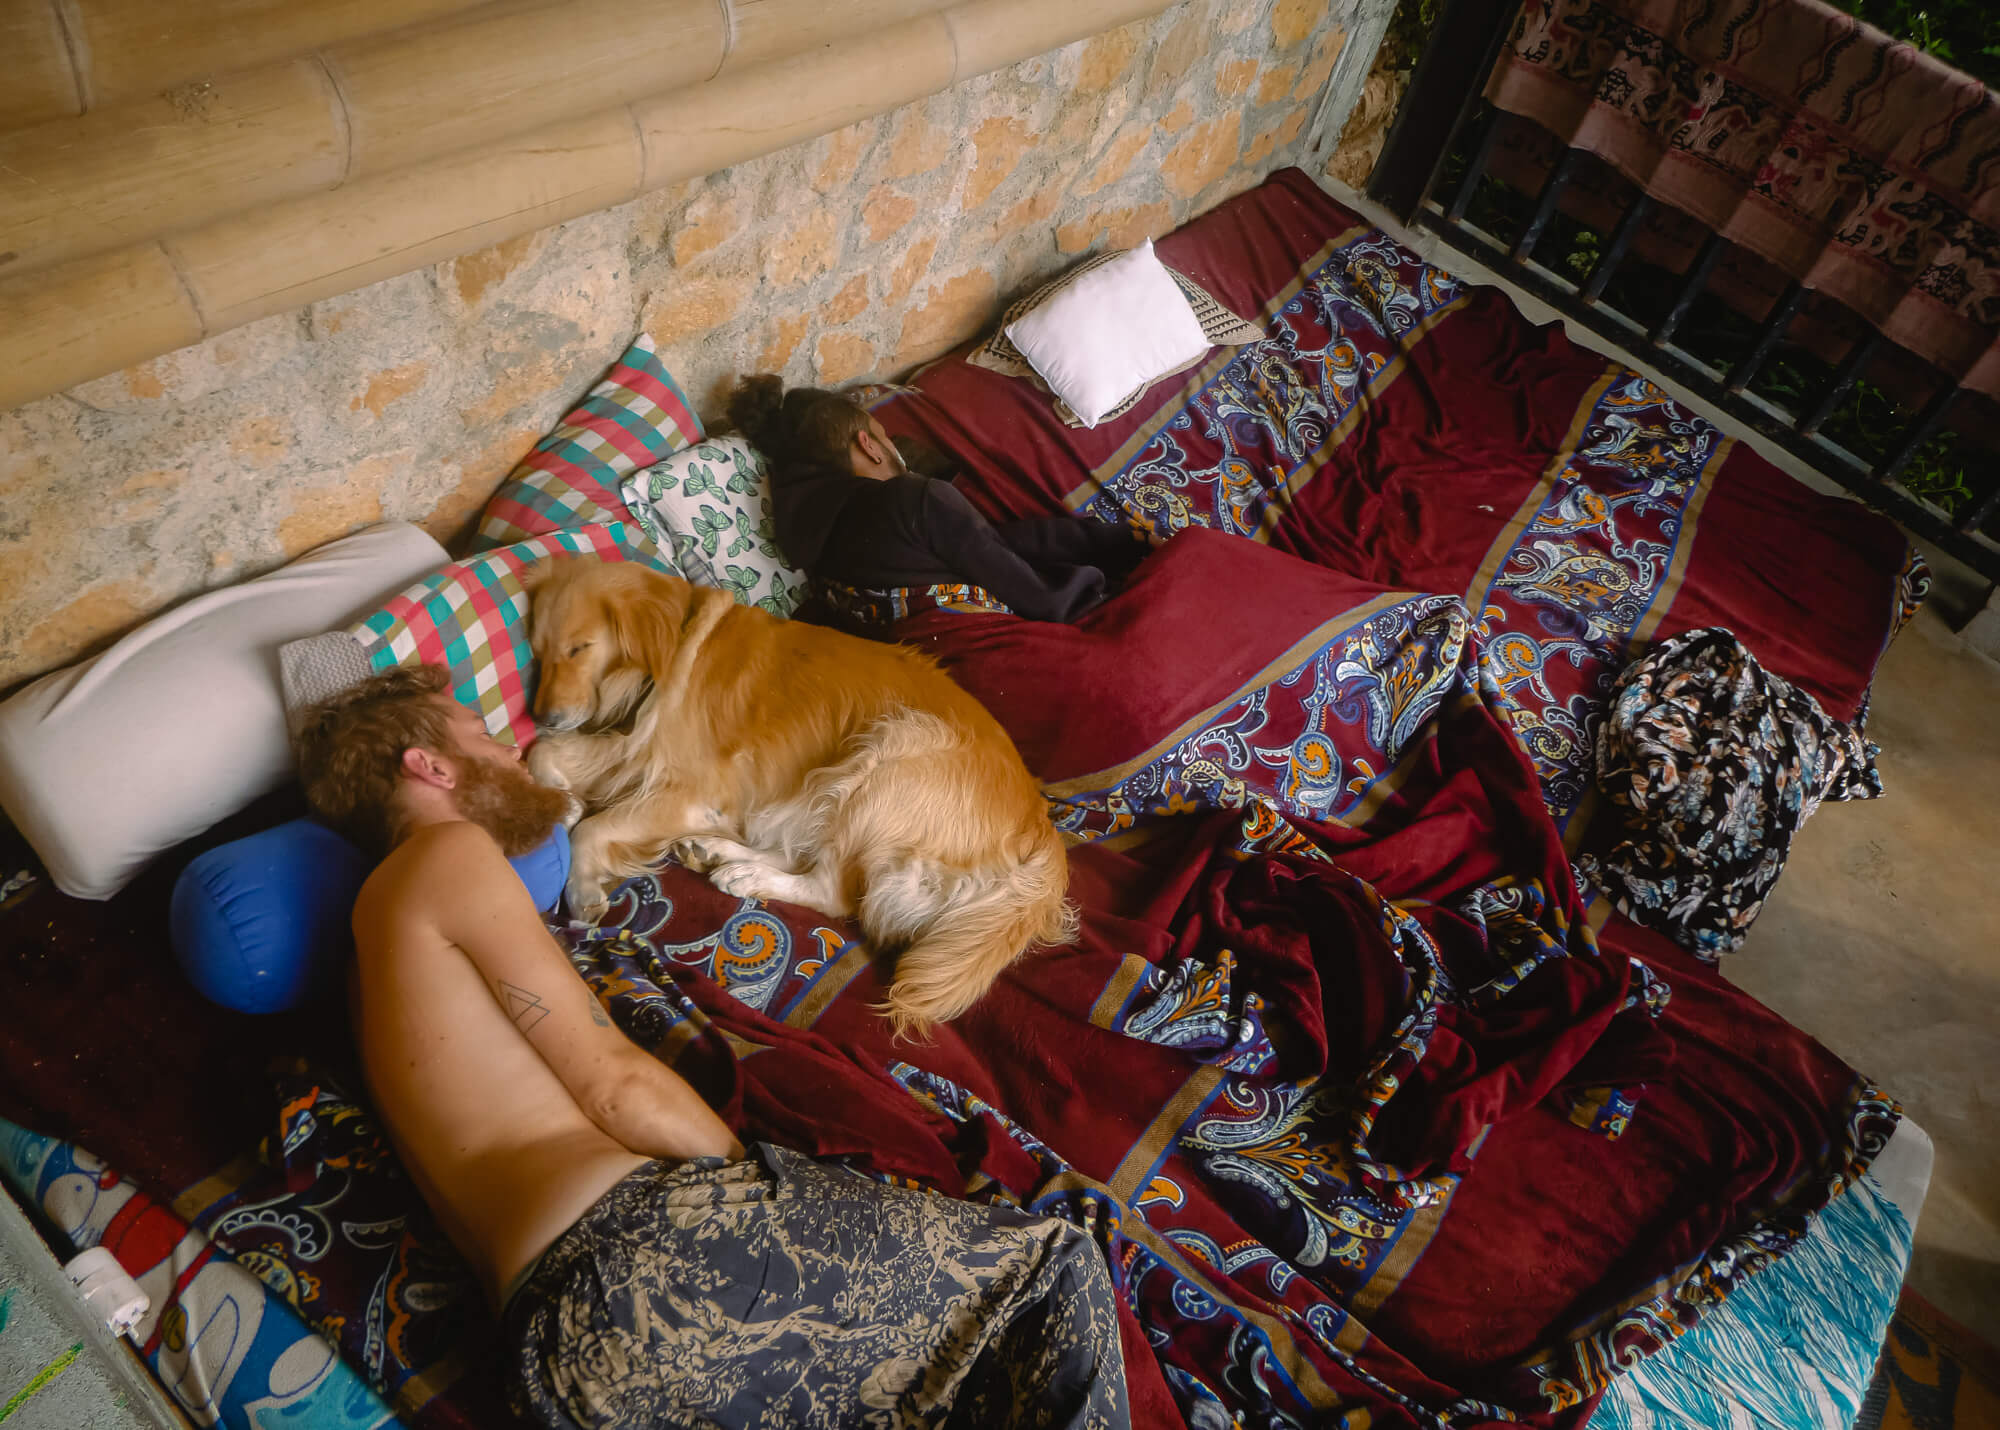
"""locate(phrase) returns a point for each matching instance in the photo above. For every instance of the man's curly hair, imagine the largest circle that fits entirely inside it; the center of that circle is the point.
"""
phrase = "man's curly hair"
(351, 746)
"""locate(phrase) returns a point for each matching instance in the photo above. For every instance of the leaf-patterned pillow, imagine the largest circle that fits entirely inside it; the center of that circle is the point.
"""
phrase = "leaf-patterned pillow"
(710, 506)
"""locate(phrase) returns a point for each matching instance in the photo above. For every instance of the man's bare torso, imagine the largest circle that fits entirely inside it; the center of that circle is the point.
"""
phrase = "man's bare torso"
(494, 1141)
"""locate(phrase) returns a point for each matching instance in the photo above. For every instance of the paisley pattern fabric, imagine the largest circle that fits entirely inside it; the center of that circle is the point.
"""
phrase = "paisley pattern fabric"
(1237, 455)
(1709, 764)
(1314, 741)
(325, 1218)
(1587, 578)
(775, 1291)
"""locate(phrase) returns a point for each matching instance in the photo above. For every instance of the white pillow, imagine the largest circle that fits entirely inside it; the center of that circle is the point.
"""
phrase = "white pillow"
(109, 763)
(1120, 326)
(709, 508)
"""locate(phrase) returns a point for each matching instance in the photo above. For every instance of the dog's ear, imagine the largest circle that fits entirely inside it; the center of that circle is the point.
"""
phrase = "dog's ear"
(645, 618)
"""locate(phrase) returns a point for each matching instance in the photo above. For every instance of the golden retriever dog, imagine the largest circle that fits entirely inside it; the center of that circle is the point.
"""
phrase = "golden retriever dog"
(787, 761)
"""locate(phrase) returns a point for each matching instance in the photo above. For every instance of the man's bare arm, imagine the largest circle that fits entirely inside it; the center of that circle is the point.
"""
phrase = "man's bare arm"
(484, 910)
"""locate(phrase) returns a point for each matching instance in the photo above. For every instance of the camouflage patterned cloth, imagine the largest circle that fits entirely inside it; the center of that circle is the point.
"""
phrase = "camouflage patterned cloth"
(777, 1291)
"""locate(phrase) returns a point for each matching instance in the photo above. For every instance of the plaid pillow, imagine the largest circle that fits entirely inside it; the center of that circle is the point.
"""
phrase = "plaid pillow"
(632, 419)
(470, 617)
(711, 507)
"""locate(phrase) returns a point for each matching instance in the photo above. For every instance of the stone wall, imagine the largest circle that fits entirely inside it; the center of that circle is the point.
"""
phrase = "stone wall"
(859, 254)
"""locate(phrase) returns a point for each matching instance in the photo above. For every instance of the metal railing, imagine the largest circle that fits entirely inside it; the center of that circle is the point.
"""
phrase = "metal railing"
(1444, 122)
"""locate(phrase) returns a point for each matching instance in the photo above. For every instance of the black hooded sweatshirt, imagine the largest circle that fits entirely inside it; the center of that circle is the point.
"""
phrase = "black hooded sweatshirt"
(921, 531)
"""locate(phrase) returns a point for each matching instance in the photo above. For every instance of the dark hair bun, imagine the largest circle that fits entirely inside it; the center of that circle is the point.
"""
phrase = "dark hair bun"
(756, 409)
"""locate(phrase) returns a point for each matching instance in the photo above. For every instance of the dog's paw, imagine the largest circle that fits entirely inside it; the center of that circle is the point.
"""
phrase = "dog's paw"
(545, 762)
(740, 880)
(694, 852)
(588, 899)
(572, 812)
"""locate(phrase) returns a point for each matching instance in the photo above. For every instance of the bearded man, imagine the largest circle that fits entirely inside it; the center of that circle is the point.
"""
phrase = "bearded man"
(648, 1270)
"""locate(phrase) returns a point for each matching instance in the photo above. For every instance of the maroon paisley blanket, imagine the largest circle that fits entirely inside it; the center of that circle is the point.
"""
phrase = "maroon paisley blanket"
(1360, 1110)
(1852, 162)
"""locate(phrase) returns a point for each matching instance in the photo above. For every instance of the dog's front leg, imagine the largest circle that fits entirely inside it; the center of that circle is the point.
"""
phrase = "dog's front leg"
(609, 847)
(576, 763)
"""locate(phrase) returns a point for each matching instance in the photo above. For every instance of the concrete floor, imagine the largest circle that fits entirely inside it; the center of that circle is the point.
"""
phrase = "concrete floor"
(1883, 941)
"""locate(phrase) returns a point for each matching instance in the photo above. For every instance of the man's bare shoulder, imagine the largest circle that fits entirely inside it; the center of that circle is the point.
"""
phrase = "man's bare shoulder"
(439, 868)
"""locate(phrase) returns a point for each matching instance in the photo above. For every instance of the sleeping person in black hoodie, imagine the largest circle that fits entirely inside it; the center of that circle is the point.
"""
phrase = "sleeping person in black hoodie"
(848, 509)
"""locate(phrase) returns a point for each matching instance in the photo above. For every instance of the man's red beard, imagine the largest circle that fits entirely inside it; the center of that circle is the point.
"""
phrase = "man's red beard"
(507, 802)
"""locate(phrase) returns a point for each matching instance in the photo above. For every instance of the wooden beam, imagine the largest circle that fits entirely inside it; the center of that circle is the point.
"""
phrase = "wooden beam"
(61, 326)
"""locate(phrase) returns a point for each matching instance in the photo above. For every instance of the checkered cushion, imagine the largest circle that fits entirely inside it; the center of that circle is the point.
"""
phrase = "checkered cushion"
(632, 419)
(471, 617)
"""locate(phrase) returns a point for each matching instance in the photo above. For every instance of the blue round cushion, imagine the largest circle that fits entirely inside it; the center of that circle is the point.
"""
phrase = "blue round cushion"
(261, 924)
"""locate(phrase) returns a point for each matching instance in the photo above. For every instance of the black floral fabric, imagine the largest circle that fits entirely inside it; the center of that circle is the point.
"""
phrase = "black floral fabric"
(777, 1291)
(1709, 764)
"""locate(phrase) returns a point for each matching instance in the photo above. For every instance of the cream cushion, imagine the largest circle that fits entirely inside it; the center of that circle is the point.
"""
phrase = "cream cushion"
(111, 762)
(1118, 327)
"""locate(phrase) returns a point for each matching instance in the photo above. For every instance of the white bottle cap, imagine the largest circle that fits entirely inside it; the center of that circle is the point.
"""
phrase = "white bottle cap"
(112, 1296)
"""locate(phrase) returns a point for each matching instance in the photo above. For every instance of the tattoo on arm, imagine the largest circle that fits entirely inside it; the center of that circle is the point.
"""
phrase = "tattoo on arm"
(525, 1008)
(597, 1013)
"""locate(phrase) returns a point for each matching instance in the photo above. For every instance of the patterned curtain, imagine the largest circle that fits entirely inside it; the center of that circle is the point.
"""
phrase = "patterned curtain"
(1852, 162)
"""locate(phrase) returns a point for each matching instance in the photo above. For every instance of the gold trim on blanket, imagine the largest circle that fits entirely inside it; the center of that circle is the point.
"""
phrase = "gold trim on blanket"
(1133, 1226)
(1289, 660)
(1161, 1132)
(1511, 530)
(832, 982)
(437, 1377)
(1277, 1332)
(218, 1184)
(1117, 989)
(1414, 1241)
(1295, 483)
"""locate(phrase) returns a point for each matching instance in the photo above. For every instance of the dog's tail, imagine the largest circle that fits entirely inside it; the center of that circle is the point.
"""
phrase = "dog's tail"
(961, 930)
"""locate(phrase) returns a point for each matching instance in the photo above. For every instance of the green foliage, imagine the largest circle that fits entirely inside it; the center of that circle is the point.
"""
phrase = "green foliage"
(1960, 32)
(1409, 28)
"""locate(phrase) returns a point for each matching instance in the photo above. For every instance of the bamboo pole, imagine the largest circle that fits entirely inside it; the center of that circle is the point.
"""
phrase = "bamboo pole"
(82, 186)
(91, 317)
(992, 33)
(67, 57)
(764, 108)
(133, 48)
(773, 29)
(151, 168)
(435, 89)
(64, 326)
(277, 259)
(41, 82)
(202, 151)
